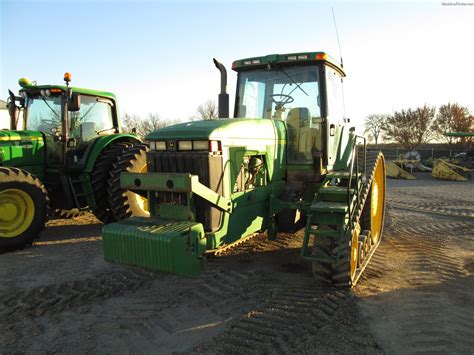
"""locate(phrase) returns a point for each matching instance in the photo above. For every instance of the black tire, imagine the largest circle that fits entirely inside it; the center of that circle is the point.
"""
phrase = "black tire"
(14, 184)
(99, 176)
(124, 203)
(67, 214)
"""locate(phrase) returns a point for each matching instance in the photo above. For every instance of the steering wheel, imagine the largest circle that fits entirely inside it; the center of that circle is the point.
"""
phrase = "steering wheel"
(286, 99)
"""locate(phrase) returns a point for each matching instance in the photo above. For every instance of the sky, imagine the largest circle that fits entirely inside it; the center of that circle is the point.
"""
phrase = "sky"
(156, 56)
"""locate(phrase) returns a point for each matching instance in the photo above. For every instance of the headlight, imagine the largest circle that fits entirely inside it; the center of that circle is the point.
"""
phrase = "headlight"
(200, 145)
(185, 145)
(157, 145)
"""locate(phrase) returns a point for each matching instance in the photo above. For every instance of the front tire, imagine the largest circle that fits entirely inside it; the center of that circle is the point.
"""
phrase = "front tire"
(24, 204)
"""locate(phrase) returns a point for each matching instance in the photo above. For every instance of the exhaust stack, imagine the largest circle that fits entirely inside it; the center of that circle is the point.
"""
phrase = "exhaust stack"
(223, 96)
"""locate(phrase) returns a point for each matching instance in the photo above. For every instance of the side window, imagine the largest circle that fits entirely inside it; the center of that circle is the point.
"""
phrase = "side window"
(335, 95)
(93, 118)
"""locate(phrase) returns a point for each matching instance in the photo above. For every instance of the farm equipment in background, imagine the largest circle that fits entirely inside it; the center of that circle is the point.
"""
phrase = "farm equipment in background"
(64, 151)
(445, 169)
(287, 160)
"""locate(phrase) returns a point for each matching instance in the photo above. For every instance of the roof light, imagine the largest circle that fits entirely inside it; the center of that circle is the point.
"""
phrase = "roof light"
(321, 56)
(304, 56)
(291, 57)
(256, 61)
(247, 62)
(24, 82)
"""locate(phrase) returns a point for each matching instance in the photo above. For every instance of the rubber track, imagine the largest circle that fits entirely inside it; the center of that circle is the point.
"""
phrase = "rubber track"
(60, 297)
(256, 244)
(327, 247)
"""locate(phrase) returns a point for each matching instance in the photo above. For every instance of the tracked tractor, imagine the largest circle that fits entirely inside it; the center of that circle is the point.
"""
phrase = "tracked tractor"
(288, 160)
(64, 152)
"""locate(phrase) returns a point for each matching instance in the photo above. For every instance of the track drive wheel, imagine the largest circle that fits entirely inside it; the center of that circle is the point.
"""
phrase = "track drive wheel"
(125, 203)
(373, 213)
(100, 173)
(24, 204)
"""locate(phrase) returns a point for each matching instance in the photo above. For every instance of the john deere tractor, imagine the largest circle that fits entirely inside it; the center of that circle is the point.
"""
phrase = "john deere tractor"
(64, 151)
(287, 160)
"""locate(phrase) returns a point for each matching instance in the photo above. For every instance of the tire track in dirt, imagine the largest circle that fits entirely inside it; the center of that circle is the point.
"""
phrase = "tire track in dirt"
(424, 273)
(287, 317)
(59, 297)
(436, 208)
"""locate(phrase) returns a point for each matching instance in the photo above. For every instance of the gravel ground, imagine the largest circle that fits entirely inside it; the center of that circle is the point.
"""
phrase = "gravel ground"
(416, 294)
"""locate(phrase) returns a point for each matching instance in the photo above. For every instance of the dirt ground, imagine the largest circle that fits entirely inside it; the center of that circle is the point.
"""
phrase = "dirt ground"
(417, 294)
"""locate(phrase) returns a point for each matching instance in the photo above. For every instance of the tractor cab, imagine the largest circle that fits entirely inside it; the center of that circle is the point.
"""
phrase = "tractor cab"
(305, 91)
(69, 118)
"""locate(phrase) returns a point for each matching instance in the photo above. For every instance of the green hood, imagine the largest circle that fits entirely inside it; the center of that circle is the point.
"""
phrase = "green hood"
(250, 128)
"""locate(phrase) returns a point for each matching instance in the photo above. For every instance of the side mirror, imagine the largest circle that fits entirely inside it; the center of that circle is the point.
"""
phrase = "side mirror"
(74, 103)
(134, 130)
(352, 129)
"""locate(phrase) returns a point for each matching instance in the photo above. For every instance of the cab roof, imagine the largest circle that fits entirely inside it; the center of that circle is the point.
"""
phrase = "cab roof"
(36, 89)
(287, 59)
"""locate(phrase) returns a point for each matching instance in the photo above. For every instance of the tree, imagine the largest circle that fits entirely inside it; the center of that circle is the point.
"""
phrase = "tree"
(373, 125)
(143, 126)
(207, 111)
(410, 128)
(129, 122)
(453, 118)
(151, 123)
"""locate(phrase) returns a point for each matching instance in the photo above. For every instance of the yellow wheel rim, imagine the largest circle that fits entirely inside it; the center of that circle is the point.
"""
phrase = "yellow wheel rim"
(142, 202)
(377, 201)
(17, 211)
(354, 251)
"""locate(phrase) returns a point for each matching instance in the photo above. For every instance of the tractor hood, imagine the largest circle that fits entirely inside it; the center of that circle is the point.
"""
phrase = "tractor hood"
(249, 128)
(9, 136)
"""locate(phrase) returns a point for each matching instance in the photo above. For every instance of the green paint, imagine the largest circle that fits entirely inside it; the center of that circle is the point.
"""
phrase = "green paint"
(23, 149)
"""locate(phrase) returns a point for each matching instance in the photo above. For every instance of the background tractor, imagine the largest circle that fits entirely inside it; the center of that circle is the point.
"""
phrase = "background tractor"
(64, 151)
(287, 160)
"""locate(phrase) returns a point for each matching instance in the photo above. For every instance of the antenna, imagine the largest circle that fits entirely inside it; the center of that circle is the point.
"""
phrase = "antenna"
(337, 35)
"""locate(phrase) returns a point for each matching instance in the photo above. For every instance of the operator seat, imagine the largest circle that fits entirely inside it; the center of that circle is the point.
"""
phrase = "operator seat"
(299, 134)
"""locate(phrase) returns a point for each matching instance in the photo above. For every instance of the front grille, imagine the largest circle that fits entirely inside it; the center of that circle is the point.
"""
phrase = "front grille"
(210, 171)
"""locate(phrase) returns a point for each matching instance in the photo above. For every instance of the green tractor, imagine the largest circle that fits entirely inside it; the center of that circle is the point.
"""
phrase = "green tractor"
(63, 152)
(287, 160)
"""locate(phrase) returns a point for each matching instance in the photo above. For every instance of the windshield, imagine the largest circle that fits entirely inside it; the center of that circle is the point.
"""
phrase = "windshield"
(44, 114)
(274, 93)
(93, 118)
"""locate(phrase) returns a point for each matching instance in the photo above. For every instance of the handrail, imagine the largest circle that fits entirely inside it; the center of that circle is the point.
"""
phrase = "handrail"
(355, 157)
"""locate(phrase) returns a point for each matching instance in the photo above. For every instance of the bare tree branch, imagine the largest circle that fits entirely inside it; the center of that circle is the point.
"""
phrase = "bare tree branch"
(373, 126)
(207, 111)
(410, 128)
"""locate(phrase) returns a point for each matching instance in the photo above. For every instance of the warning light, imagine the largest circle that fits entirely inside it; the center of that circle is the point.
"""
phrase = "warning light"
(321, 56)
(67, 77)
